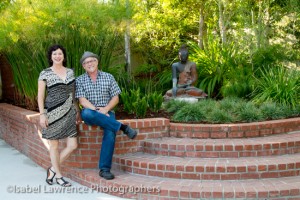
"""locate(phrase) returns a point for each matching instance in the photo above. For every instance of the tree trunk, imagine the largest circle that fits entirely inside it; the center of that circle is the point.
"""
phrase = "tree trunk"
(127, 43)
(201, 25)
(221, 22)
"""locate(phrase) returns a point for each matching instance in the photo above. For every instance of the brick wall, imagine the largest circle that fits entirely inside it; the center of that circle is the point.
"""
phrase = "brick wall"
(242, 130)
(19, 128)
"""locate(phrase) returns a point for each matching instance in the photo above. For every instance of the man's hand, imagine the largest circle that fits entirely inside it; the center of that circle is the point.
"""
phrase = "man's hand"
(102, 110)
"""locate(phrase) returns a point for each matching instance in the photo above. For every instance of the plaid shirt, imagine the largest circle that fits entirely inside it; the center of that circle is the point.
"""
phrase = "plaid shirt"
(99, 93)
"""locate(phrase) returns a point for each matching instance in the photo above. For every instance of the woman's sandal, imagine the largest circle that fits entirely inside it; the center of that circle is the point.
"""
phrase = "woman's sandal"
(62, 182)
(49, 178)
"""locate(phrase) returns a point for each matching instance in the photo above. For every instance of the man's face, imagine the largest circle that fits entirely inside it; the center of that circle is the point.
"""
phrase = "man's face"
(90, 64)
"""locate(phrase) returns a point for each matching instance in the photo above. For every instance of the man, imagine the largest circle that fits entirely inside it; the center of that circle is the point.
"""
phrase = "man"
(98, 93)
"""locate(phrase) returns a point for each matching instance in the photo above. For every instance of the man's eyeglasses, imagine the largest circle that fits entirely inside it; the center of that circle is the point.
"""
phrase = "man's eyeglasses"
(88, 62)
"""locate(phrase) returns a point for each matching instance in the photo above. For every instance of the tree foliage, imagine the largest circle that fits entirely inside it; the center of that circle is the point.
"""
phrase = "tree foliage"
(235, 37)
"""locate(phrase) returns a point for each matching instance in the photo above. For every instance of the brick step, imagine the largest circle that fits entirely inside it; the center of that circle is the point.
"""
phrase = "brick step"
(209, 168)
(165, 188)
(288, 143)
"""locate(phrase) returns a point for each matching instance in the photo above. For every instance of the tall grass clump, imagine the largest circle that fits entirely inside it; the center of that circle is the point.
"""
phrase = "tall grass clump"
(278, 84)
(216, 63)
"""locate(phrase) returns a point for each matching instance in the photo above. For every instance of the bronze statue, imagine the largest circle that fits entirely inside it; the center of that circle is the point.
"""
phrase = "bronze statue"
(184, 77)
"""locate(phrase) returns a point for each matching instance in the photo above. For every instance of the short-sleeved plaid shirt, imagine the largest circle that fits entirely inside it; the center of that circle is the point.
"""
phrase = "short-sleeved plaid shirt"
(99, 93)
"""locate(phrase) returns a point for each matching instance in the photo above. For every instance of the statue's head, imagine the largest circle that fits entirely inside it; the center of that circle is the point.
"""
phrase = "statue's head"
(183, 53)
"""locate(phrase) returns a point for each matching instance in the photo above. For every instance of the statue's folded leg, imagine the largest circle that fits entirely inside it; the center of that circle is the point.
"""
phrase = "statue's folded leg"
(196, 92)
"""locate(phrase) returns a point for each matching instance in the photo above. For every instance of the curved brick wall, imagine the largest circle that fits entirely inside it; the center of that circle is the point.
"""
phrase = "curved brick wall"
(184, 160)
(19, 128)
(255, 129)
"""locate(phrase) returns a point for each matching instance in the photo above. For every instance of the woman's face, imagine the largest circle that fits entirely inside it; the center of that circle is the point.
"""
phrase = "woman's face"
(57, 56)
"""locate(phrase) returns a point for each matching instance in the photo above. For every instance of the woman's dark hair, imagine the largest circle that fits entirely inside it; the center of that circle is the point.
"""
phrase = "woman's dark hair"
(54, 48)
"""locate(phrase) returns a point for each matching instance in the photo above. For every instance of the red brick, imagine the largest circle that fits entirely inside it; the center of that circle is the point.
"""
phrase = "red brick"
(218, 135)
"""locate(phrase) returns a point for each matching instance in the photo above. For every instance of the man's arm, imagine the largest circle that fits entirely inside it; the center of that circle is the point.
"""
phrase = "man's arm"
(112, 103)
(86, 103)
(104, 110)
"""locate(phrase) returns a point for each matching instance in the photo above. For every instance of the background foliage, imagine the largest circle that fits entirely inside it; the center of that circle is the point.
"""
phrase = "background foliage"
(239, 46)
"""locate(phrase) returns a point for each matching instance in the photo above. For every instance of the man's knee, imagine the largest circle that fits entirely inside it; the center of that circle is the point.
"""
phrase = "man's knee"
(87, 115)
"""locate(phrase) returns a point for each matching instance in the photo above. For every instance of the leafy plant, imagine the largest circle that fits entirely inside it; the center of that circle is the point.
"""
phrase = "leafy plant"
(278, 84)
(129, 98)
(228, 104)
(220, 116)
(271, 110)
(189, 113)
(155, 101)
(140, 107)
(249, 113)
(134, 103)
(174, 105)
(216, 62)
(238, 84)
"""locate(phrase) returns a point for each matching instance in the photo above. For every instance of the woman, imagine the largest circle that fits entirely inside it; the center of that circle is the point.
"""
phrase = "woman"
(59, 112)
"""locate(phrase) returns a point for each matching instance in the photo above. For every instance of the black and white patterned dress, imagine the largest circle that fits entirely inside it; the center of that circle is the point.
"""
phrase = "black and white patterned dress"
(61, 112)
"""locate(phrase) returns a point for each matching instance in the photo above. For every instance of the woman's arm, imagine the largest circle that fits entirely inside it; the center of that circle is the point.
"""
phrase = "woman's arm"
(41, 103)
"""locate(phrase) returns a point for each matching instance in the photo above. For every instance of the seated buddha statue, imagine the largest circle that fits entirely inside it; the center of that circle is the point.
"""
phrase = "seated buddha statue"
(184, 77)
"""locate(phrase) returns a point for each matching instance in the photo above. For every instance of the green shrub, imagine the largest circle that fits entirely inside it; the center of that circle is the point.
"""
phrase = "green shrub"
(220, 116)
(155, 101)
(228, 104)
(249, 113)
(140, 107)
(174, 105)
(134, 102)
(207, 105)
(128, 98)
(229, 110)
(271, 110)
(278, 84)
(189, 113)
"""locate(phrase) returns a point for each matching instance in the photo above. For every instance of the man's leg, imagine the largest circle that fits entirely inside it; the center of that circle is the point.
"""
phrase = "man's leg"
(92, 117)
(107, 151)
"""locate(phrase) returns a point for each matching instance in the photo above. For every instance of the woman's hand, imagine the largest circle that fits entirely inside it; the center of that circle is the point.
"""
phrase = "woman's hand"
(43, 121)
(78, 118)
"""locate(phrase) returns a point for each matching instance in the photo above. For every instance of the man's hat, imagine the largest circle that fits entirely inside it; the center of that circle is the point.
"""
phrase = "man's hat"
(88, 54)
